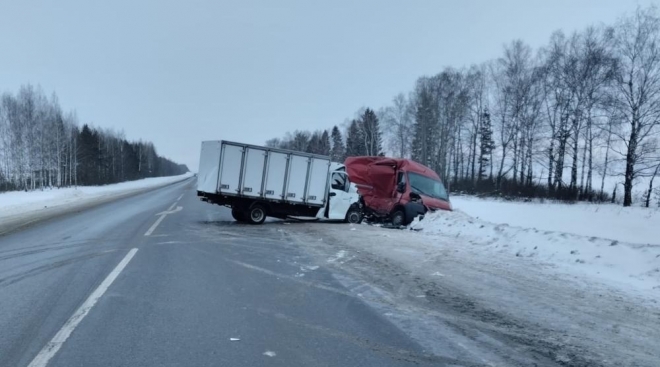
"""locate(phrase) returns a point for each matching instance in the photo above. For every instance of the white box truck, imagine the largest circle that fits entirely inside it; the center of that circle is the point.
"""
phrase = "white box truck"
(256, 182)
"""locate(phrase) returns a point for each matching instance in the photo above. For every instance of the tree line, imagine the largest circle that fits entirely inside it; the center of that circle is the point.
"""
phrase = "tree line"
(362, 137)
(42, 146)
(553, 122)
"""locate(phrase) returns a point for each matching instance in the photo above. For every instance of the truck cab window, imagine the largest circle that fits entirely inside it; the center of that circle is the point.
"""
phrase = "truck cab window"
(339, 181)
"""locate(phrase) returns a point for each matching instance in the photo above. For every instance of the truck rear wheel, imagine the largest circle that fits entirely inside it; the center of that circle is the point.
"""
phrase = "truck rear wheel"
(256, 214)
(238, 215)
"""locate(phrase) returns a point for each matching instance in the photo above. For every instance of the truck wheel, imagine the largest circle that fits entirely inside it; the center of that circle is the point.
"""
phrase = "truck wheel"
(399, 218)
(238, 215)
(354, 215)
(256, 214)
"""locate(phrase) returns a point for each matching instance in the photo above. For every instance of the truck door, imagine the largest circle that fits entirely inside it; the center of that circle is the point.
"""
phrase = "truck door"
(340, 198)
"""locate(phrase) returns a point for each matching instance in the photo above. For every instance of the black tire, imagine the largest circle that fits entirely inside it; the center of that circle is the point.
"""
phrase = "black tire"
(354, 215)
(256, 214)
(399, 218)
(238, 215)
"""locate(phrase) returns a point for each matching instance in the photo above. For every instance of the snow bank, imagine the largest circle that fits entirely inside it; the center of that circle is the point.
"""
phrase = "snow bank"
(609, 221)
(612, 244)
(20, 202)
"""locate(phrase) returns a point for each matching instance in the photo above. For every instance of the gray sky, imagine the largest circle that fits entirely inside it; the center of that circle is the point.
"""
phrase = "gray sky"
(177, 73)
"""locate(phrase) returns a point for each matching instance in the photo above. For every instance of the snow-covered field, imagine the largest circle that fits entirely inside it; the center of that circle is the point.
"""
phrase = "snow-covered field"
(19, 204)
(608, 243)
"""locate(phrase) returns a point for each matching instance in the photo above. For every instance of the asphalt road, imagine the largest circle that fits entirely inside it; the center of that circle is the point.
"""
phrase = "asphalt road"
(163, 279)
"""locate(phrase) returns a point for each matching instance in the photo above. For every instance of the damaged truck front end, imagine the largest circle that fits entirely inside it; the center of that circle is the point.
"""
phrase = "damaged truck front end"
(396, 190)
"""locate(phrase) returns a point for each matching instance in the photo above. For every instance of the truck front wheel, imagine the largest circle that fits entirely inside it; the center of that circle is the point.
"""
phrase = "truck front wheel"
(256, 214)
(354, 215)
(399, 218)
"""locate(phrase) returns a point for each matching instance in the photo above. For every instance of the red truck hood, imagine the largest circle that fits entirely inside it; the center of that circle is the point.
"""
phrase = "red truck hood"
(372, 174)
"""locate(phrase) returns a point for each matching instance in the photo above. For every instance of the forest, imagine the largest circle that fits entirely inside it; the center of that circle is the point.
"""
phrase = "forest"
(43, 147)
(556, 122)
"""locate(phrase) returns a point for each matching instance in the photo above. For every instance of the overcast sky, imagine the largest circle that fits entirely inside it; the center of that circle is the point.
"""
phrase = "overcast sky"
(177, 73)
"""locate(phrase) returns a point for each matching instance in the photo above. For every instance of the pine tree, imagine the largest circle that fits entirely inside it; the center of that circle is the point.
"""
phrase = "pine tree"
(372, 140)
(324, 143)
(423, 128)
(338, 151)
(486, 143)
(313, 146)
(354, 142)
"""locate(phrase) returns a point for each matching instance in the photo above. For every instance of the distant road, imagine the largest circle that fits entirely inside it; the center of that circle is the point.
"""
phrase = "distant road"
(162, 279)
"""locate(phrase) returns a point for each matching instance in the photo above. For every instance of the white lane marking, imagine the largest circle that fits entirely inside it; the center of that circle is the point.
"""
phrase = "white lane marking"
(157, 222)
(270, 353)
(177, 209)
(153, 226)
(180, 196)
(51, 348)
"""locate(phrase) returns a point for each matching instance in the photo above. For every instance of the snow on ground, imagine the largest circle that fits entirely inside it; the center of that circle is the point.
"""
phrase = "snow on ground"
(616, 245)
(460, 291)
(632, 224)
(20, 202)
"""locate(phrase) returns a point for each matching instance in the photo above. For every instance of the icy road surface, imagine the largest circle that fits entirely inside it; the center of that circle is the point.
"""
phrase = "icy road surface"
(163, 279)
(91, 288)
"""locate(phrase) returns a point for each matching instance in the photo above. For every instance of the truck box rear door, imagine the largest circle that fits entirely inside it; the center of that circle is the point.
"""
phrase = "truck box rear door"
(209, 164)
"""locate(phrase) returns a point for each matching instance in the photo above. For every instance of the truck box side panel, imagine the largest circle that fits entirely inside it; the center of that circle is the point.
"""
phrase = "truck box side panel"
(230, 169)
(209, 164)
(275, 176)
(318, 181)
(253, 172)
(297, 179)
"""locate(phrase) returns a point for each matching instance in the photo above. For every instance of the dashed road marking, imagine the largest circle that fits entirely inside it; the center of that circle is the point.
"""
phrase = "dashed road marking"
(54, 345)
(162, 216)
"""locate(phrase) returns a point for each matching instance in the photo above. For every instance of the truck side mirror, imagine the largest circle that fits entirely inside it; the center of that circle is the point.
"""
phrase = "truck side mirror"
(332, 194)
(401, 187)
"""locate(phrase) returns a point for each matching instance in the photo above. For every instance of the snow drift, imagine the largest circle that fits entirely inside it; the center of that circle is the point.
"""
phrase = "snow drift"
(620, 246)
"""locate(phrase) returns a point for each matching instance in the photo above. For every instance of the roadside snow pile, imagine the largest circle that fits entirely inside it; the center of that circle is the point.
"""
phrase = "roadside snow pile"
(633, 224)
(578, 239)
(20, 202)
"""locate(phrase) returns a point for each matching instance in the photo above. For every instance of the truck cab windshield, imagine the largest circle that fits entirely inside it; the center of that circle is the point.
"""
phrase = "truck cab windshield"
(427, 186)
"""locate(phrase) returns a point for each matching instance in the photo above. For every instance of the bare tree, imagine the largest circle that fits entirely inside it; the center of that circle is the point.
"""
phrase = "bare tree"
(638, 85)
(397, 122)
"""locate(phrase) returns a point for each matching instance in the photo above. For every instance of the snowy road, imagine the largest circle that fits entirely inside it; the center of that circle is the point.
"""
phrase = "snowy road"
(199, 290)
(162, 279)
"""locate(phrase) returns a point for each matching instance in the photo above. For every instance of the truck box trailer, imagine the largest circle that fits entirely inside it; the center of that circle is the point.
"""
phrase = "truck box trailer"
(256, 182)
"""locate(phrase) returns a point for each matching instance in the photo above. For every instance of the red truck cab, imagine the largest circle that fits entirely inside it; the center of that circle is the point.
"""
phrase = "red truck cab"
(396, 189)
